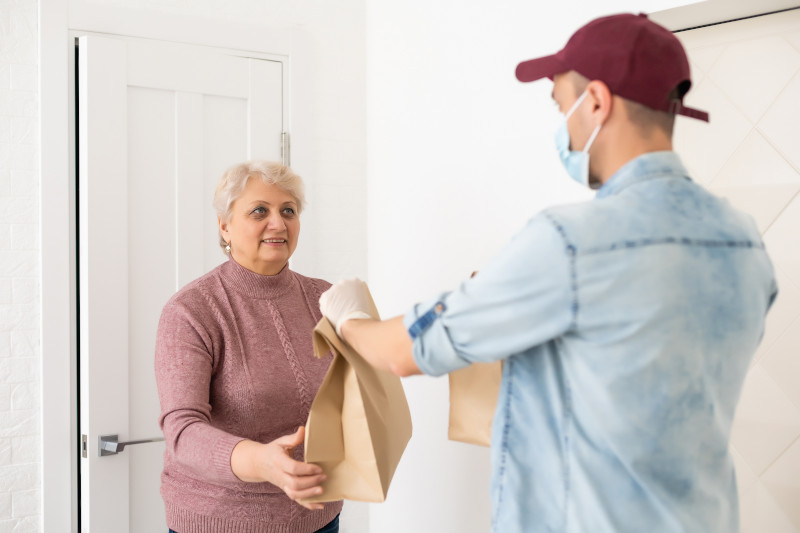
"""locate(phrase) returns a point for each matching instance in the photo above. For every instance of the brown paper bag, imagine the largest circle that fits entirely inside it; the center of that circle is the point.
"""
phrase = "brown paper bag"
(473, 399)
(359, 423)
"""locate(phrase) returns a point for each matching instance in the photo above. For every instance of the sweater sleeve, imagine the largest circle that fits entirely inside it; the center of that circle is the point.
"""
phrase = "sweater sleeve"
(184, 363)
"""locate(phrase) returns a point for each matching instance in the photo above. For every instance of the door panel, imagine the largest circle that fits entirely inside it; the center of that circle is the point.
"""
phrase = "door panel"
(227, 142)
(158, 124)
(150, 198)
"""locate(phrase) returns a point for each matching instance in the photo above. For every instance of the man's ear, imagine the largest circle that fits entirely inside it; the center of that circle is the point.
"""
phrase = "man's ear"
(602, 100)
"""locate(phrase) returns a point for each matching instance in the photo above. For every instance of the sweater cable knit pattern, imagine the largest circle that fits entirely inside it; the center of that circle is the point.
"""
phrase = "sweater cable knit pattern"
(288, 349)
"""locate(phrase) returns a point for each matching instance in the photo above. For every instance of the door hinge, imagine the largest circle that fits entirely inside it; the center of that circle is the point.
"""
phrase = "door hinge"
(285, 156)
(84, 446)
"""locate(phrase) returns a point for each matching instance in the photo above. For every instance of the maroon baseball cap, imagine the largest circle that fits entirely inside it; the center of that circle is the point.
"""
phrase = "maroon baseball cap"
(636, 58)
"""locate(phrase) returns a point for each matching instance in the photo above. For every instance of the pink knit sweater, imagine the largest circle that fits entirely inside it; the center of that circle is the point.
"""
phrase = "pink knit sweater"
(234, 361)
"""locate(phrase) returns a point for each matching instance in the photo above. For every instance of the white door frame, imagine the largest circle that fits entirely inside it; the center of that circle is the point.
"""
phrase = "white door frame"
(60, 20)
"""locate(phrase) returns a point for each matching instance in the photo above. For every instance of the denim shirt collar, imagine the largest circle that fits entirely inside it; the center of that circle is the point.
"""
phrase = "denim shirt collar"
(642, 168)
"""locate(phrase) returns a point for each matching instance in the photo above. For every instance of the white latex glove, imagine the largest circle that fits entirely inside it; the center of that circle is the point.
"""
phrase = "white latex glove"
(345, 300)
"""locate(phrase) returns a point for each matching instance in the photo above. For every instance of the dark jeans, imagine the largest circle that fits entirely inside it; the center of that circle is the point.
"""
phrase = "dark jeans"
(332, 527)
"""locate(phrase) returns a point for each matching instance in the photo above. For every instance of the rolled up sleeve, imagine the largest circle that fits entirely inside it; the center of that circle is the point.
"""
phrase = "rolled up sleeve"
(524, 297)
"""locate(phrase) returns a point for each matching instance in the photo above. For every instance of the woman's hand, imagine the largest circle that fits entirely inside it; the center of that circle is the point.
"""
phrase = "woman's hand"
(272, 462)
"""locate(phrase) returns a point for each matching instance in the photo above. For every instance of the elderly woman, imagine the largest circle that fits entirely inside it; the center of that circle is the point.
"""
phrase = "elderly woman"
(236, 372)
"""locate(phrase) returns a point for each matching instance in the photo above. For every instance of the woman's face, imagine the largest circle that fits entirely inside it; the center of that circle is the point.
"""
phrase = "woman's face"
(263, 228)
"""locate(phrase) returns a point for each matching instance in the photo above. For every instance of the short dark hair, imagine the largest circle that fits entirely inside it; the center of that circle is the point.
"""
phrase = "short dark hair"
(646, 118)
(643, 117)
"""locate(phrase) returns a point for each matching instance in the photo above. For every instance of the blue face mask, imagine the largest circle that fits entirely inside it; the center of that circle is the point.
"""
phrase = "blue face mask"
(576, 163)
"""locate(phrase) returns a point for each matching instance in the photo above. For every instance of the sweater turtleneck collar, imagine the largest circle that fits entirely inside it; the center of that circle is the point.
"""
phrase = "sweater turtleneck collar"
(256, 285)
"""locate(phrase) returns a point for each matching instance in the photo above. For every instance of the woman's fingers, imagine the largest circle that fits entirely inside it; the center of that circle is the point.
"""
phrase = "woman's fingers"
(295, 468)
(302, 494)
(300, 483)
(300, 488)
(299, 480)
(311, 506)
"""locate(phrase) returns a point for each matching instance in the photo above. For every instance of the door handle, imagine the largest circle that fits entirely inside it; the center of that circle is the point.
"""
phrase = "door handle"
(110, 445)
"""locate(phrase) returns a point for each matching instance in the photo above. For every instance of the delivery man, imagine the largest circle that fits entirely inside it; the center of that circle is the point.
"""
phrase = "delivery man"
(626, 323)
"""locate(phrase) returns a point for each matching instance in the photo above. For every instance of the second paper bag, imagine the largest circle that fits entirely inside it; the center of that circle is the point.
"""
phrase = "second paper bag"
(359, 423)
(473, 400)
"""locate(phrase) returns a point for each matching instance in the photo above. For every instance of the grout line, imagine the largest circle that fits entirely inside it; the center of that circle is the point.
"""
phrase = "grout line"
(768, 352)
(778, 456)
(779, 214)
(757, 126)
(737, 19)
(751, 124)
(731, 449)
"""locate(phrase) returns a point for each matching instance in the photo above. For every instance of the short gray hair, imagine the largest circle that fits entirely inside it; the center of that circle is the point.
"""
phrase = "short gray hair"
(234, 179)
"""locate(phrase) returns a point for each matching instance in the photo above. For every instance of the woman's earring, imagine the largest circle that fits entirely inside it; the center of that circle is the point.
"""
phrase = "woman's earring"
(228, 248)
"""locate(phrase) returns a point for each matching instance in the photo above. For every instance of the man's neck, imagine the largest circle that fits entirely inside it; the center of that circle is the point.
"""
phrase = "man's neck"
(617, 154)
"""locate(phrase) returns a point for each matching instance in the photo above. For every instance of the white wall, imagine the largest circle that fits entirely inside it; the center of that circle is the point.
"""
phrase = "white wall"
(19, 269)
(460, 155)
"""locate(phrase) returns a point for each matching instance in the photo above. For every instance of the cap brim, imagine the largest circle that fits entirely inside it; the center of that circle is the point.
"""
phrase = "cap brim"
(693, 113)
(541, 67)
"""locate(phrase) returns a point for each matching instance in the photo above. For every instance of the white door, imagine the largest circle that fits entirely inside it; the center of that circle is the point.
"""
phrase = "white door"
(157, 125)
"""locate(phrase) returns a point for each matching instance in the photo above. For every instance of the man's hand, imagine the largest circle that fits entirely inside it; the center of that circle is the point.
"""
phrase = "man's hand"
(384, 344)
(345, 300)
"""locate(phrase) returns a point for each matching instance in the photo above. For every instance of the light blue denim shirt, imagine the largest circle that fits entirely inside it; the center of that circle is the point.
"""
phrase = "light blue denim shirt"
(627, 324)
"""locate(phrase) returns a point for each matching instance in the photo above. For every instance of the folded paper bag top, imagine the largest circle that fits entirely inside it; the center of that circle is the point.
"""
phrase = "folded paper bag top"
(359, 423)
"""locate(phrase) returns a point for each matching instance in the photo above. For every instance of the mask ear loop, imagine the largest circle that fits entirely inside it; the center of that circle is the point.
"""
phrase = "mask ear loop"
(572, 110)
(576, 104)
(591, 139)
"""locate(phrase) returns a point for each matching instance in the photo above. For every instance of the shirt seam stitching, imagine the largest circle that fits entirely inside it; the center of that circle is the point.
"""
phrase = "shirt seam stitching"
(573, 275)
(664, 241)
(567, 451)
(504, 447)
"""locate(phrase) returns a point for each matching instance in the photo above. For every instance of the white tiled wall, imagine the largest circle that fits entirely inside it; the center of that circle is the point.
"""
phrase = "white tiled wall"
(19, 269)
(748, 77)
